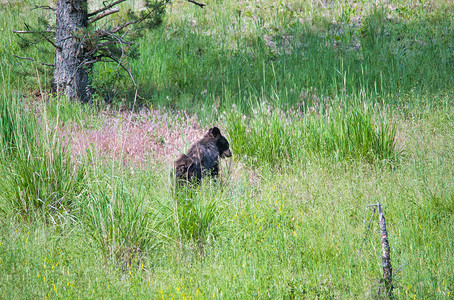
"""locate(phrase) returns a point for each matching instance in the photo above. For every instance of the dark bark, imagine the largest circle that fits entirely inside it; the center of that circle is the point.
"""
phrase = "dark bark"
(71, 75)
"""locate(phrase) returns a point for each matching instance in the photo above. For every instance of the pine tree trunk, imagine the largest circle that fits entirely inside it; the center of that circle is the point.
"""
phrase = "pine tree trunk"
(70, 76)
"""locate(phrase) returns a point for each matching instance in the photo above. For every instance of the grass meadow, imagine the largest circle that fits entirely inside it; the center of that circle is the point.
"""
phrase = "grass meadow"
(329, 107)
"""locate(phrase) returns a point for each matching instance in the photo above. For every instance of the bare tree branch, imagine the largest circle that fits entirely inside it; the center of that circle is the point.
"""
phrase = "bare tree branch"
(22, 57)
(100, 46)
(23, 31)
(111, 56)
(50, 41)
(44, 7)
(105, 8)
(118, 28)
(85, 62)
(126, 69)
(368, 227)
(201, 5)
(90, 62)
(31, 59)
(121, 42)
(40, 33)
(104, 14)
(34, 32)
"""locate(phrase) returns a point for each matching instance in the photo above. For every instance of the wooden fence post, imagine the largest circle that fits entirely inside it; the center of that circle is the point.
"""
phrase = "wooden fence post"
(386, 259)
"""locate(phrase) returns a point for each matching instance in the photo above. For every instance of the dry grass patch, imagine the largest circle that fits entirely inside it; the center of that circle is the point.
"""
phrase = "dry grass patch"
(154, 136)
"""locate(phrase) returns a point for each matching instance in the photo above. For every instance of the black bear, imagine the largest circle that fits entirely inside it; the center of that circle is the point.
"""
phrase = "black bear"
(202, 158)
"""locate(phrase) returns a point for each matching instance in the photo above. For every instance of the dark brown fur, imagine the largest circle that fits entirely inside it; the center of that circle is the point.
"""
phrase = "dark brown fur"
(202, 158)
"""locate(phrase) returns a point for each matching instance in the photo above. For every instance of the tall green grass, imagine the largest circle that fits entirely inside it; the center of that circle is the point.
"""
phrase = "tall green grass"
(198, 214)
(294, 231)
(189, 63)
(274, 136)
(233, 52)
(40, 179)
(17, 125)
(120, 220)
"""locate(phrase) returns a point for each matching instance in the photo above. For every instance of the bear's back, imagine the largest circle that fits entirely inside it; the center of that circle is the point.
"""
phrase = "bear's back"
(210, 157)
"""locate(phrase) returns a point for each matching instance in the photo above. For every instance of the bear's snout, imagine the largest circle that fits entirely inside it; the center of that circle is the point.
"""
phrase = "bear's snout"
(226, 153)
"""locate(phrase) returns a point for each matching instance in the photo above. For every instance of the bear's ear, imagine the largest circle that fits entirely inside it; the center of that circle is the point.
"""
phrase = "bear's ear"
(215, 132)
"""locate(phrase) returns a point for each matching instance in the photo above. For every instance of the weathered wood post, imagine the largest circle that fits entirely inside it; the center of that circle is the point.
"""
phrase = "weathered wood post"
(386, 259)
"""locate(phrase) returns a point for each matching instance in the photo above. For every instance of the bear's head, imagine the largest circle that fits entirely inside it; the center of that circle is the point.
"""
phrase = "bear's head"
(221, 143)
